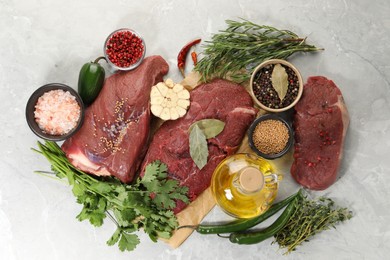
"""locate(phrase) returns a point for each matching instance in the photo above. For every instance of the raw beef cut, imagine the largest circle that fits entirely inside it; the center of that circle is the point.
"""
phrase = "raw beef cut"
(114, 135)
(220, 99)
(320, 123)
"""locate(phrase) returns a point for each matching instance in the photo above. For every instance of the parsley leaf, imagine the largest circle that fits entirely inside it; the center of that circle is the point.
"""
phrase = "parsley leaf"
(165, 191)
(128, 241)
(125, 240)
(101, 187)
(115, 237)
(150, 172)
(93, 210)
(146, 204)
(125, 217)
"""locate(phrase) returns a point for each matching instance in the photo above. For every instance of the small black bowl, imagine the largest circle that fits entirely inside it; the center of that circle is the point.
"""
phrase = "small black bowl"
(30, 108)
(268, 117)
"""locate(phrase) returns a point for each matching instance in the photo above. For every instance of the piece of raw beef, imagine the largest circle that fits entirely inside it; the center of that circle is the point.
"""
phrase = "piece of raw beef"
(320, 123)
(114, 135)
(220, 99)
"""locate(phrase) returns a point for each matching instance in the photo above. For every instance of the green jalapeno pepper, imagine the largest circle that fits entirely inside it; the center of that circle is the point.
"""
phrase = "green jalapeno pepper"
(253, 237)
(91, 79)
(244, 224)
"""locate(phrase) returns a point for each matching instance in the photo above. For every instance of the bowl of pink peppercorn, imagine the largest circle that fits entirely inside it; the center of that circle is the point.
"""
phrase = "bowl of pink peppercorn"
(124, 49)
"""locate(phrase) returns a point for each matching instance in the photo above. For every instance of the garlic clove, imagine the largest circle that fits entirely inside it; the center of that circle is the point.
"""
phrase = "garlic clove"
(183, 103)
(174, 113)
(169, 83)
(156, 110)
(184, 94)
(162, 88)
(165, 114)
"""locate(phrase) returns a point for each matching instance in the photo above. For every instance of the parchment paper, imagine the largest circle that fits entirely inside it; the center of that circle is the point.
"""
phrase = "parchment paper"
(198, 209)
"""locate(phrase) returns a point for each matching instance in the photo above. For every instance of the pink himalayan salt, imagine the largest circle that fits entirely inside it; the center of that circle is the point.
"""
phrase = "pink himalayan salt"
(57, 112)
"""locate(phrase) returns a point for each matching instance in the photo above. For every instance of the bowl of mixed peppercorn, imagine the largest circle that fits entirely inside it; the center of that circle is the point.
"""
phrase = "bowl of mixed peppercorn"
(124, 49)
(276, 85)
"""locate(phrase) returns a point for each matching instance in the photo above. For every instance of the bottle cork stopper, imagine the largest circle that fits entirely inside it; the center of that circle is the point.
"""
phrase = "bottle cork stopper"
(251, 179)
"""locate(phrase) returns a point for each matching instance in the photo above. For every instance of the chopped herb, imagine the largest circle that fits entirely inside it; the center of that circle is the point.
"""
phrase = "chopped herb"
(146, 204)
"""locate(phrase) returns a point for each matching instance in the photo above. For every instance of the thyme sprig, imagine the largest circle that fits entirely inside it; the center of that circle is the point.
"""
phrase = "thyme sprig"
(310, 218)
(236, 51)
(146, 204)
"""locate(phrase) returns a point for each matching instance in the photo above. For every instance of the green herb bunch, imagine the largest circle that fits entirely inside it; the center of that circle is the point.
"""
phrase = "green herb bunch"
(310, 217)
(145, 204)
(236, 51)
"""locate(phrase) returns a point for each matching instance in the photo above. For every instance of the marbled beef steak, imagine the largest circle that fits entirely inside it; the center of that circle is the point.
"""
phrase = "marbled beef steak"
(219, 99)
(113, 138)
(320, 123)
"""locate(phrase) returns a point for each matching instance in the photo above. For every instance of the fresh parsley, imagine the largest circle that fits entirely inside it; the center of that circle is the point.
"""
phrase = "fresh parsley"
(146, 204)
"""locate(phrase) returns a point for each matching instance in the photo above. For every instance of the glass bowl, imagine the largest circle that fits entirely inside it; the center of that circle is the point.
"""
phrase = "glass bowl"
(132, 65)
(30, 109)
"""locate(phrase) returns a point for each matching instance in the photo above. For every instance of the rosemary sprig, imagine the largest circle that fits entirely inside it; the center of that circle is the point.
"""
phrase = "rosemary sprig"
(130, 207)
(236, 51)
(310, 218)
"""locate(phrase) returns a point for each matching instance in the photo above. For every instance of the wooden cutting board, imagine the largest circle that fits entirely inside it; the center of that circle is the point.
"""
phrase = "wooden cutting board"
(194, 213)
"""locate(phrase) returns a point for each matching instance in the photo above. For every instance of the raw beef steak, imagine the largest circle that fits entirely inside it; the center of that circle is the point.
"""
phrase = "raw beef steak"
(114, 135)
(320, 123)
(220, 99)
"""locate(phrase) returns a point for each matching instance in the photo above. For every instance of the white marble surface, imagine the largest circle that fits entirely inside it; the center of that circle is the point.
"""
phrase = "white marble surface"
(43, 41)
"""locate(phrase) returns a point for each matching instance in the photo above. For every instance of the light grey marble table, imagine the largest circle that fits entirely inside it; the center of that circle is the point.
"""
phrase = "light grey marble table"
(44, 41)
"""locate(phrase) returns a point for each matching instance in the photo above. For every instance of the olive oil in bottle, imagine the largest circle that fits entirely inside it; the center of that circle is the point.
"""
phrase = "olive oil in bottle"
(244, 185)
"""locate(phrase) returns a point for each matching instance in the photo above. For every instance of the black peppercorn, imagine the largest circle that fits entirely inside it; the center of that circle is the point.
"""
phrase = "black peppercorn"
(264, 91)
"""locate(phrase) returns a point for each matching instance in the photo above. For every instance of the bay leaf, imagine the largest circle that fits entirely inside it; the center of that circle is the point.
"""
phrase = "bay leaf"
(279, 80)
(210, 127)
(198, 147)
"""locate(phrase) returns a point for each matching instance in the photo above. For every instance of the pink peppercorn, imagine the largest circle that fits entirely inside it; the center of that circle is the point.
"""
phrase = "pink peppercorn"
(124, 48)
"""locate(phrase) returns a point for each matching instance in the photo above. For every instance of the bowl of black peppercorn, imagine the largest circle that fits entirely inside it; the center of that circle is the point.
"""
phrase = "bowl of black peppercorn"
(276, 85)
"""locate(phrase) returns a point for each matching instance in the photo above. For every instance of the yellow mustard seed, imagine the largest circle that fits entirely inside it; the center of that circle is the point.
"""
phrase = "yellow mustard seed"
(270, 136)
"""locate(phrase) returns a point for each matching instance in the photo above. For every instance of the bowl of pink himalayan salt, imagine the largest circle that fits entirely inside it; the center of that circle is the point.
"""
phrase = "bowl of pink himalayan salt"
(55, 112)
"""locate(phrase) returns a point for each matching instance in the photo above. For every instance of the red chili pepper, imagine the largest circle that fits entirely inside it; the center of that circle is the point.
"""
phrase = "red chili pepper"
(181, 58)
(194, 57)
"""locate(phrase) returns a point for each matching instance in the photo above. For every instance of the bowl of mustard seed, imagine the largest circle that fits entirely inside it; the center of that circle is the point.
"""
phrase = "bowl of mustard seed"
(276, 85)
(270, 136)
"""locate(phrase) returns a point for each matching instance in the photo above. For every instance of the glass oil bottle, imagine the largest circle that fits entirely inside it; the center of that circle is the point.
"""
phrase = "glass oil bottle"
(244, 185)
